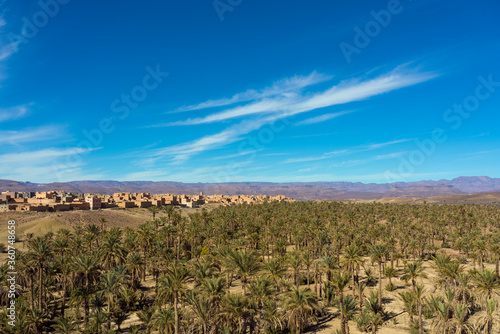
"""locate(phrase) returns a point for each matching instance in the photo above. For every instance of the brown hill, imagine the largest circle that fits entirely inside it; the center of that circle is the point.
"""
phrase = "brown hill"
(297, 190)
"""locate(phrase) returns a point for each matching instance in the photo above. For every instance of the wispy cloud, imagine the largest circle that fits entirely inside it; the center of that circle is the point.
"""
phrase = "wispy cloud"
(38, 134)
(351, 163)
(356, 149)
(43, 155)
(323, 118)
(483, 152)
(271, 110)
(281, 87)
(46, 165)
(294, 103)
(237, 155)
(13, 113)
(7, 48)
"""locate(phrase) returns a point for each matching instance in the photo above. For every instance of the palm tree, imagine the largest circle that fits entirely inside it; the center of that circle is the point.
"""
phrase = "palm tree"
(378, 253)
(486, 320)
(352, 260)
(308, 259)
(164, 320)
(390, 273)
(235, 311)
(174, 283)
(487, 283)
(260, 290)
(419, 292)
(360, 289)
(295, 262)
(65, 325)
(154, 210)
(214, 288)
(460, 322)
(340, 280)
(110, 282)
(201, 308)
(40, 251)
(275, 270)
(301, 306)
(169, 210)
(244, 264)
(412, 271)
(112, 251)
(348, 309)
(146, 317)
(103, 222)
(134, 264)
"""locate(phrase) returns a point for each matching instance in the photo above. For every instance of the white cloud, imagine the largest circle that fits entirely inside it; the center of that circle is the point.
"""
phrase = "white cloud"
(278, 88)
(356, 149)
(42, 133)
(46, 165)
(16, 159)
(323, 118)
(273, 109)
(351, 163)
(13, 113)
(237, 155)
(345, 92)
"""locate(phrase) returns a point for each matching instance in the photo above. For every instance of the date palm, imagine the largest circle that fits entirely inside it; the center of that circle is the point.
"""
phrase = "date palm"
(244, 264)
(413, 271)
(214, 288)
(460, 322)
(146, 317)
(487, 283)
(340, 281)
(110, 283)
(65, 325)
(486, 320)
(154, 210)
(378, 253)
(301, 306)
(295, 262)
(164, 321)
(173, 283)
(352, 260)
(275, 270)
(112, 251)
(201, 308)
(260, 290)
(235, 311)
(390, 273)
(348, 309)
(134, 264)
(40, 252)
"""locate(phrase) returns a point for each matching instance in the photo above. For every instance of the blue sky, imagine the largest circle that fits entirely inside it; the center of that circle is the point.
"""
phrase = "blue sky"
(233, 91)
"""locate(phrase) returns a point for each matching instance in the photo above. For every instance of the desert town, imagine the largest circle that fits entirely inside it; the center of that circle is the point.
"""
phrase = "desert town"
(62, 201)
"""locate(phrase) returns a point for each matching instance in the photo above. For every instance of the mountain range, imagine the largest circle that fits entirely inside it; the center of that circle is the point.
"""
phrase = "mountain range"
(297, 190)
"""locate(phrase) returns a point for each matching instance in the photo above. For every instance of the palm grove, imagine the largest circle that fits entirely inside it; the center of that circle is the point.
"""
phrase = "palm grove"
(270, 268)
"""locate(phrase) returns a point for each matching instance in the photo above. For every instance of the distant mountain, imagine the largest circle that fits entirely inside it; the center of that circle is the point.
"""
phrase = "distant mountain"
(297, 190)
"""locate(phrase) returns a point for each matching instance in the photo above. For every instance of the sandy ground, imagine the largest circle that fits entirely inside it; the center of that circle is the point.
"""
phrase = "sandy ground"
(40, 223)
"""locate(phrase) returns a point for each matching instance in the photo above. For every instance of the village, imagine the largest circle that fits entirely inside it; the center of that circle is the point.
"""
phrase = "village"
(51, 201)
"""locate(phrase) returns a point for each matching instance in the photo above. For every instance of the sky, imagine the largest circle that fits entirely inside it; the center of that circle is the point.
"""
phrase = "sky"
(249, 91)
